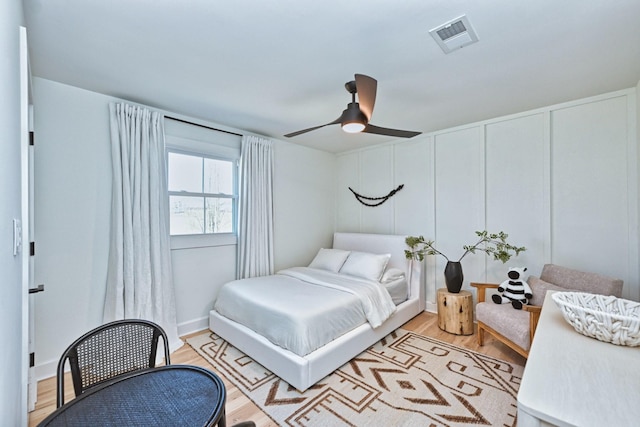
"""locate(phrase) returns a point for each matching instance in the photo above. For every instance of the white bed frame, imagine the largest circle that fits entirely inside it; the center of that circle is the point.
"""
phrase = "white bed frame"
(303, 372)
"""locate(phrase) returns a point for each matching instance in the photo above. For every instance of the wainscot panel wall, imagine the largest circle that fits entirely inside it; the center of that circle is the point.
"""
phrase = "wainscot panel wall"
(515, 197)
(592, 209)
(377, 181)
(73, 204)
(459, 183)
(560, 180)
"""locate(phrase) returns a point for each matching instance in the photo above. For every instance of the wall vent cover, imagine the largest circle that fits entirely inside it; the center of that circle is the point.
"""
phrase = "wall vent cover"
(454, 34)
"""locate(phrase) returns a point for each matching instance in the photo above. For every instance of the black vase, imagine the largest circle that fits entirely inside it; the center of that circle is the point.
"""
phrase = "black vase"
(453, 276)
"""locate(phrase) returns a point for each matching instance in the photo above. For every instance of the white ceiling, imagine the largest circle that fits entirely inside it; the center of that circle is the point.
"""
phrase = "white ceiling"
(274, 67)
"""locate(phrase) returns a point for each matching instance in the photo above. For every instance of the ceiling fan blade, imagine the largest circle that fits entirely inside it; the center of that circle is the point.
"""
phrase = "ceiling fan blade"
(366, 87)
(300, 132)
(390, 132)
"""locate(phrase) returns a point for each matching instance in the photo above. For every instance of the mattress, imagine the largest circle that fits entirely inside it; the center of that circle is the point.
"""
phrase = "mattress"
(301, 309)
(398, 290)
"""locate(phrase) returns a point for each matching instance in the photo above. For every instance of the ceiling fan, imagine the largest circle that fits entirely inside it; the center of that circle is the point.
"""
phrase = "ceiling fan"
(355, 118)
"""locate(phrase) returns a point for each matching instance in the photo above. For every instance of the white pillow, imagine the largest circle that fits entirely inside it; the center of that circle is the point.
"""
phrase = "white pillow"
(365, 265)
(329, 259)
(391, 274)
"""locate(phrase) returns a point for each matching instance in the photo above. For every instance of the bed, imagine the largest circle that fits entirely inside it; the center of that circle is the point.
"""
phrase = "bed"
(306, 363)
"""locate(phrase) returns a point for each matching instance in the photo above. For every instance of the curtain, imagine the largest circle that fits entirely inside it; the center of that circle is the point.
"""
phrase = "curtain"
(255, 222)
(139, 276)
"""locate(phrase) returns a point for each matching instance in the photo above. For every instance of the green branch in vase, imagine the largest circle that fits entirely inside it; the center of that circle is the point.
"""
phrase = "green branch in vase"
(494, 244)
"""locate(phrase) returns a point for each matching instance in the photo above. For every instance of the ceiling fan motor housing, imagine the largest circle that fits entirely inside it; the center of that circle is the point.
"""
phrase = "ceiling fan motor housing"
(353, 114)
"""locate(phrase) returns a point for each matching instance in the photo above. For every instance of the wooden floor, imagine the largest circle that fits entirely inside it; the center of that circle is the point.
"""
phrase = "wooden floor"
(239, 408)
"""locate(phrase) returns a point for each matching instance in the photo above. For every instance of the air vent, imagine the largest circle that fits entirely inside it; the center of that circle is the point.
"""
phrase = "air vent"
(454, 34)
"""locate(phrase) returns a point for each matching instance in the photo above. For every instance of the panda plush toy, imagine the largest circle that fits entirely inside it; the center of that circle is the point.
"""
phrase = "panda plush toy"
(515, 290)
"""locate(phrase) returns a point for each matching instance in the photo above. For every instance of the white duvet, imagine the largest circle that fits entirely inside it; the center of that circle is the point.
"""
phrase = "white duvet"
(302, 309)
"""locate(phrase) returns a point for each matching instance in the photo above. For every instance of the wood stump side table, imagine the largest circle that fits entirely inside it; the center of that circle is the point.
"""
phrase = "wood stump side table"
(455, 312)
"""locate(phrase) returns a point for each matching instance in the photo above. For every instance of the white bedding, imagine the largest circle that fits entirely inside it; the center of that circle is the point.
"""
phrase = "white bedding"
(302, 309)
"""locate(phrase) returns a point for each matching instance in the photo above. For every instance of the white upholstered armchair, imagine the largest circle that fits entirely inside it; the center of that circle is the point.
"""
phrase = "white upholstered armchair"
(516, 328)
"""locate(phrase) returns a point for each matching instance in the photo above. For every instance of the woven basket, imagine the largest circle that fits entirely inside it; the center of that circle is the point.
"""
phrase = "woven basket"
(606, 318)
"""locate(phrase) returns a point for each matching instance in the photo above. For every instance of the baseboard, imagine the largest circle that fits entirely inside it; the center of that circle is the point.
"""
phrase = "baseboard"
(431, 307)
(45, 370)
(192, 326)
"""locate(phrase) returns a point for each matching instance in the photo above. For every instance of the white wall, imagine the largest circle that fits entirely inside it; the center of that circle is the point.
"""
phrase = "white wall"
(560, 180)
(304, 203)
(73, 199)
(12, 400)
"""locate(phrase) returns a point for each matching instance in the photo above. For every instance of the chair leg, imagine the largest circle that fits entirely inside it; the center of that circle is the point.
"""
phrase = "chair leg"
(480, 335)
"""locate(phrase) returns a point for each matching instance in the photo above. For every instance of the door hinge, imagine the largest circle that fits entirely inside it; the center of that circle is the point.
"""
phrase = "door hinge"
(31, 138)
(32, 359)
(39, 288)
(32, 248)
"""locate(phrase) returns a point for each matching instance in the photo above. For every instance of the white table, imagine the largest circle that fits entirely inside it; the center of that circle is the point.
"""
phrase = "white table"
(573, 380)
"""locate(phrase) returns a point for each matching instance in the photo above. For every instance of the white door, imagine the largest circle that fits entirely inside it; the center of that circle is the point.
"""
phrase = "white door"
(25, 227)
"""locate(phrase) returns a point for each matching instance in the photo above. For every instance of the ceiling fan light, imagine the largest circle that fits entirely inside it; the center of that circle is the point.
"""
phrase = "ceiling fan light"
(353, 120)
(353, 127)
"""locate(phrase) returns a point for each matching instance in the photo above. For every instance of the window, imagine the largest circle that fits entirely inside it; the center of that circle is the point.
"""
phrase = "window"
(201, 194)
(202, 171)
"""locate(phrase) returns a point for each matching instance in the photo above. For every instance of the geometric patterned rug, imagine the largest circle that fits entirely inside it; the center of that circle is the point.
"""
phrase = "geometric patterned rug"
(406, 379)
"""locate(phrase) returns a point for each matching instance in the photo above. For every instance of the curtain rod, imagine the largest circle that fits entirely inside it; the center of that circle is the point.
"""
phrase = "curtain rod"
(202, 126)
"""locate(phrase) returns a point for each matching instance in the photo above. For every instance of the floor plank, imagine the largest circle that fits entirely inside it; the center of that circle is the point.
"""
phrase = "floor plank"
(240, 408)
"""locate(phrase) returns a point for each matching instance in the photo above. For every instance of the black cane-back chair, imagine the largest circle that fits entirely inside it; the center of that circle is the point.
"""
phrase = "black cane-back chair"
(108, 351)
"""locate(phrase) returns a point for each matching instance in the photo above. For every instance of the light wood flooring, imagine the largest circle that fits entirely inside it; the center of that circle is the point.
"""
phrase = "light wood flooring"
(239, 408)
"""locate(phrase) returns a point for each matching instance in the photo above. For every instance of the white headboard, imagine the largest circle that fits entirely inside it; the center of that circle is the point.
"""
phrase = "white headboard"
(385, 244)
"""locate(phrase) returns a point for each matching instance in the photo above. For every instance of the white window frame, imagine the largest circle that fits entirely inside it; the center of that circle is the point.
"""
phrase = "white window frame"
(207, 149)
(201, 239)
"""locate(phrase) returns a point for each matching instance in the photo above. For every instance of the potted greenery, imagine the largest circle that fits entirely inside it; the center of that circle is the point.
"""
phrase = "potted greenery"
(494, 244)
